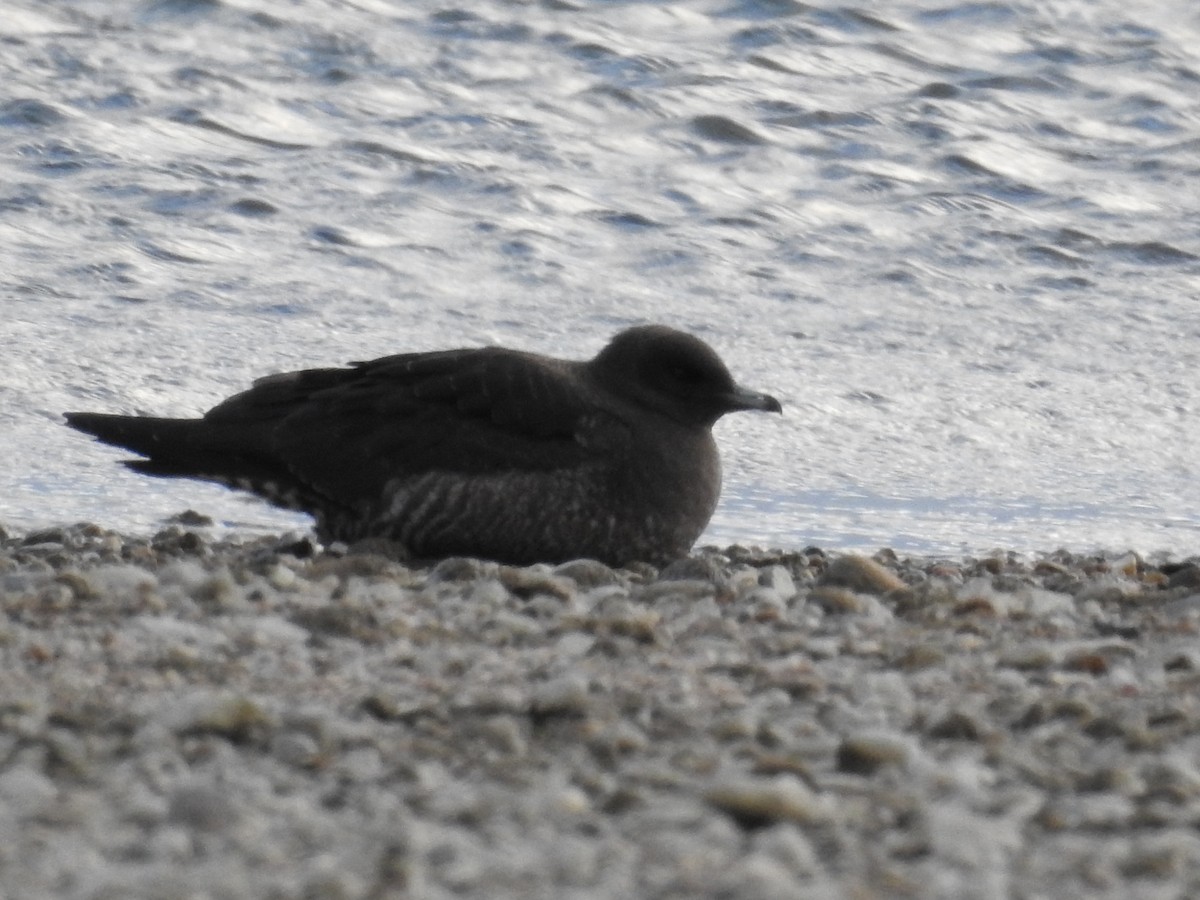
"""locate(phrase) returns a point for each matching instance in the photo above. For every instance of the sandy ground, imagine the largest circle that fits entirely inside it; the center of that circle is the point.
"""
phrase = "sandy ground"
(187, 718)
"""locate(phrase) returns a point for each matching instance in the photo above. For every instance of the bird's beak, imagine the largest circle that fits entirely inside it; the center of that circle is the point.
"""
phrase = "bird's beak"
(741, 398)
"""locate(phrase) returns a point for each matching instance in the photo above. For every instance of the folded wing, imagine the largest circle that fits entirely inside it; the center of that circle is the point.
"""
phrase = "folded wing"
(345, 433)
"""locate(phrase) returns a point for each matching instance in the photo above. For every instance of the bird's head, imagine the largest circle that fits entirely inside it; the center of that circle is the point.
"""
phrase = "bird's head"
(675, 374)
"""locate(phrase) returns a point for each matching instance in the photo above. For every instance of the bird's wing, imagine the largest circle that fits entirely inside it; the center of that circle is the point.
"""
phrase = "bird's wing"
(347, 432)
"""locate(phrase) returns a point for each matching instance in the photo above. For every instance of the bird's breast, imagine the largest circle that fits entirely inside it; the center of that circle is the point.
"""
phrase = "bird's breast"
(671, 473)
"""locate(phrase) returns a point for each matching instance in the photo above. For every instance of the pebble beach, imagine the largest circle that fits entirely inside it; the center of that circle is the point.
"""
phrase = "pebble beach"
(197, 716)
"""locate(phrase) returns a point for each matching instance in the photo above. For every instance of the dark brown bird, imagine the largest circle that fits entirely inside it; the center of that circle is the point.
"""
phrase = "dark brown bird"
(488, 452)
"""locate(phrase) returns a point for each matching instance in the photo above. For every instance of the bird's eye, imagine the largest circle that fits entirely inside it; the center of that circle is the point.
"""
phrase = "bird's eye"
(686, 374)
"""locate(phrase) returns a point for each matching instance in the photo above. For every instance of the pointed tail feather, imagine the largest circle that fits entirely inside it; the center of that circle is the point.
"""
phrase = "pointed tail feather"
(179, 447)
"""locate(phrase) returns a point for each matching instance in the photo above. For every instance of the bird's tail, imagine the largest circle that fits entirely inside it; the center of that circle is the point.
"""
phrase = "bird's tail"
(172, 447)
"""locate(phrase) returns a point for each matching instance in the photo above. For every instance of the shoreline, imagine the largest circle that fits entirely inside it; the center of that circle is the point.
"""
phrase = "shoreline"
(190, 716)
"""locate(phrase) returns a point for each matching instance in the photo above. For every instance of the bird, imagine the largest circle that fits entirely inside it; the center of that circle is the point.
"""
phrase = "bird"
(485, 452)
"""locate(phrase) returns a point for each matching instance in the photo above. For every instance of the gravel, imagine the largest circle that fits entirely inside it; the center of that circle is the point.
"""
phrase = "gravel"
(190, 717)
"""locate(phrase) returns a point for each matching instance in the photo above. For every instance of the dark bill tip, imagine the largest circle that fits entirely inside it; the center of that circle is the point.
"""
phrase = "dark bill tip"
(741, 398)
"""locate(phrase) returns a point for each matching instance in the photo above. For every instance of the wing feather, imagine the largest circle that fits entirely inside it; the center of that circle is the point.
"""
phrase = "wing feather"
(346, 433)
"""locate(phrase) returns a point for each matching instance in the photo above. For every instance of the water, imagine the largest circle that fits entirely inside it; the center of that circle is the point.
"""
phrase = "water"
(958, 240)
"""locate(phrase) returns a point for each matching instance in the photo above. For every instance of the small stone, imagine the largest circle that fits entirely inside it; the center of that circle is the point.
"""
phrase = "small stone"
(795, 675)
(1160, 861)
(201, 807)
(865, 754)
(191, 519)
(691, 568)
(956, 726)
(218, 591)
(765, 605)
(1042, 604)
(975, 606)
(373, 566)
(946, 572)
(836, 600)
(573, 645)
(784, 764)
(1184, 608)
(1129, 565)
(460, 568)
(1027, 657)
(45, 537)
(338, 620)
(1049, 567)
(570, 800)
(188, 574)
(335, 885)
(495, 699)
(534, 580)
(620, 617)
(388, 708)
(686, 589)
(173, 541)
(992, 564)
(488, 594)
(587, 573)
(1185, 661)
(25, 791)
(758, 875)
(299, 547)
(618, 739)
(1087, 661)
(858, 573)
(79, 586)
(737, 583)
(506, 733)
(281, 577)
(1186, 575)
(120, 580)
(756, 802)
(234, 717)
(922, 656)
(566, 695)
(741, 725)
(778, 579)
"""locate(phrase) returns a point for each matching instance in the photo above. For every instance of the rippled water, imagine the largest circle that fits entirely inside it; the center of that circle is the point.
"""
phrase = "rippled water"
(959, 241)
